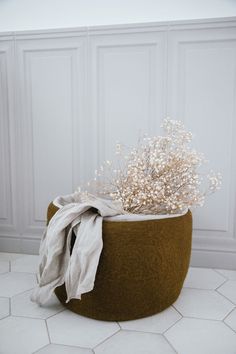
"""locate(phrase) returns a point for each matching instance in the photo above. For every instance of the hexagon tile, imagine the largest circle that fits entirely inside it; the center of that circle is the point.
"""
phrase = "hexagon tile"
(22, 335)
(71, 329)
(205, 304)
(228, 289)
(231, 320)
(194, 336)
(203, 278)
(155, 324)
(21, 305)
(27, 264)
(128, 342)
(16, 283)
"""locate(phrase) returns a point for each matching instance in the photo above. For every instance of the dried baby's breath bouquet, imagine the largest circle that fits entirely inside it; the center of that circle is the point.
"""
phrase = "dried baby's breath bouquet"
(160, 176)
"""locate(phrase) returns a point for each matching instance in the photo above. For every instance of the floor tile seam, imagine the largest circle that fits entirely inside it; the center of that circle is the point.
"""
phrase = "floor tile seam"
(20, 272)
(226, 297)
(210, 289)
(221, 284)
(2, 273)
(229, 313)
(119, 324)
(104, 340)
(29, 317)
(218, 293)
(170, 344)
(200, 318)
(142, 331)
(45, 346)
(49, 338)
(10, 297)
(172, 325)
(224, 276)
(204, 318)
(173, 305)
(155, 333)
(3, 318)
(55, 314)
(33, 318)
(37, 318)
(229, 327)
(21, 293)
(64, 309)
(10, 307)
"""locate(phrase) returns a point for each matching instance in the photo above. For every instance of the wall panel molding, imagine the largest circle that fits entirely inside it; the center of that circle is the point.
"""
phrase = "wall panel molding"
(51, 76)
(127, 85)
(8, 193)
(202, 92)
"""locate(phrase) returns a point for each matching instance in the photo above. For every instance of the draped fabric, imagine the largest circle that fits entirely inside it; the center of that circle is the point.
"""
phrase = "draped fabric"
(82, 214)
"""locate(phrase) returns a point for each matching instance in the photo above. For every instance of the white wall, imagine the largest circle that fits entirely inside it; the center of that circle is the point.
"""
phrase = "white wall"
(67, 96)
(20, 15)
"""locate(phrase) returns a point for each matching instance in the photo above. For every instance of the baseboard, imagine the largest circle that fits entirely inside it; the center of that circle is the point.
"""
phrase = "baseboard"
(19, 245)
(213, 259)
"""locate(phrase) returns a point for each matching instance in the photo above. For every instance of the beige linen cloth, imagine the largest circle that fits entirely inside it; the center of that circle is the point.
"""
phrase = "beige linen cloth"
(83, 214)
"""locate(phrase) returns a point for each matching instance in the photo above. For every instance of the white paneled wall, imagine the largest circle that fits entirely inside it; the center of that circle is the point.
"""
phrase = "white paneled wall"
(67, 96)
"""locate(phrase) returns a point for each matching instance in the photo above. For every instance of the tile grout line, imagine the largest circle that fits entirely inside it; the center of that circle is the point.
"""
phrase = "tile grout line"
(224, 276)
(218, 292)
(221, 284)
(229, 313)
(119, 330)
(45, 346)
(229, 327)
(49, 338)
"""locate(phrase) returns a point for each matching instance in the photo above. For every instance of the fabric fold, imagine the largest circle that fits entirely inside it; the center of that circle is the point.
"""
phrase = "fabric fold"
(82, 214)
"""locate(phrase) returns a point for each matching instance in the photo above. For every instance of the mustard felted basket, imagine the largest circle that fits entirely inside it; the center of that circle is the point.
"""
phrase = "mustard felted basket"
(141, 270)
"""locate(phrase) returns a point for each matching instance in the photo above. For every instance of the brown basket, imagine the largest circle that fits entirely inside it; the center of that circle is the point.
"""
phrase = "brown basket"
(141, 270)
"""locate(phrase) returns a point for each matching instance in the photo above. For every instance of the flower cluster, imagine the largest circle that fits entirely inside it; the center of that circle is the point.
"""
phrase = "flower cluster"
(160, 176)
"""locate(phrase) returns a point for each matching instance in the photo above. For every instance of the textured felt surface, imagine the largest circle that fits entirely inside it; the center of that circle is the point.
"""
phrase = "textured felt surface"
(141, 269)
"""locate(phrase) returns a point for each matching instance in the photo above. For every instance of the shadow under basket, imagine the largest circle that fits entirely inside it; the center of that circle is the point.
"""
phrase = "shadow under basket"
(141, 270)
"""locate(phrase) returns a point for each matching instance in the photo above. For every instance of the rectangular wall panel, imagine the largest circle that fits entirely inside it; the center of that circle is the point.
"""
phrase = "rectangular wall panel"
(7, 184)
(52, 83)
(128, 88)
(202, 79)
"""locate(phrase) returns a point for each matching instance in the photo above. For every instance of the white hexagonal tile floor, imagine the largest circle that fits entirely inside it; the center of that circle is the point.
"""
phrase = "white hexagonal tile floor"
(202, 320)
(72, 329)
(155, 324)
(22, 335)
(128, 342)
(21, 305)
(202, 278)
(207, 304)
(228, 289)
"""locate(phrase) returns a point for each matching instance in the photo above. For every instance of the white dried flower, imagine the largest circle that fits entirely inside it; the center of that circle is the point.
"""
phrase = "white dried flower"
(159, 176)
